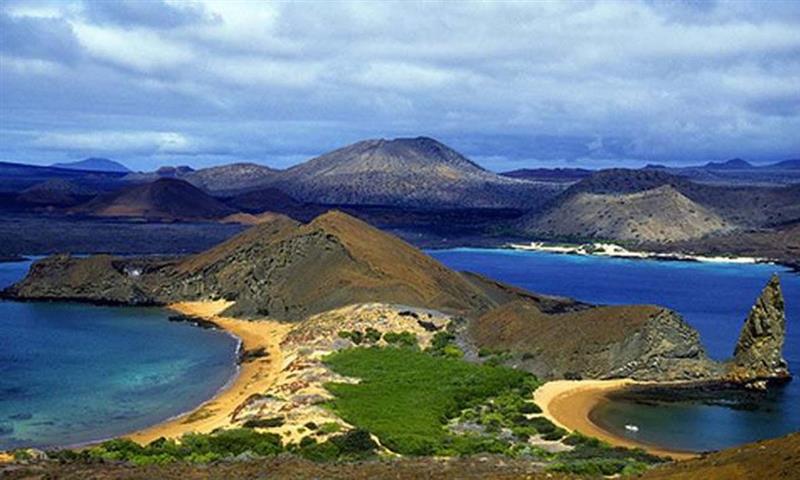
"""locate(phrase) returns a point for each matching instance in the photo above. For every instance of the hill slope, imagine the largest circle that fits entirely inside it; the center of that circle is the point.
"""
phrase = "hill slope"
(406, 172)
(164, 199)
(659, 215)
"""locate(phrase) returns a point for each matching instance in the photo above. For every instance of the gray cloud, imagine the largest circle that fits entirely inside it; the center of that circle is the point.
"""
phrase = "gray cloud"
(149, 13)
(509, 83)
(43, 38)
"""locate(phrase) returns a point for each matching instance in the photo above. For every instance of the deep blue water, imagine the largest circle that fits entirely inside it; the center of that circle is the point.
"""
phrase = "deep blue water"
(74, 373)
(713, 298)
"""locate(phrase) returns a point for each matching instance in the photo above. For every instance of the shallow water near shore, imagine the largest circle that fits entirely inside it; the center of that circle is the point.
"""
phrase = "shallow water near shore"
(713, 298)
(74, 373)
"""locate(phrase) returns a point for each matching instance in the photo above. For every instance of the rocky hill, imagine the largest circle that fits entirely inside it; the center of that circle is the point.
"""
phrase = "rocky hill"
(637, 341)
(660, 215)
(406, 172)
(164, 199)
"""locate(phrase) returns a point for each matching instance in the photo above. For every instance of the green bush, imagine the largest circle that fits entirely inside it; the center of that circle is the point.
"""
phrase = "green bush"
(355, 443)
(402, 339)
(239, 440)
(329, 427)
(529, 407)
(371, 335)
(264, 422)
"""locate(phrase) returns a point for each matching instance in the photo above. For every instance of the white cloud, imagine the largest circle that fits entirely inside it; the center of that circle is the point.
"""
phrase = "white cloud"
(140, 142)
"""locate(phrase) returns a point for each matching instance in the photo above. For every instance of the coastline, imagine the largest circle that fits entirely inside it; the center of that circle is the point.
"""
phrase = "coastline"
(254, 377)
(602, 249)
(568, 403)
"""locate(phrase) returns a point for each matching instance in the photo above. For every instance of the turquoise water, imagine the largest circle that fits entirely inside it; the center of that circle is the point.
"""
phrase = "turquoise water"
(74, 373)
(713, 298)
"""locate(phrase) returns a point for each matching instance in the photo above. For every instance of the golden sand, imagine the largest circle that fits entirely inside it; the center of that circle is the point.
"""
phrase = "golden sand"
(567, 403)
(254, 377)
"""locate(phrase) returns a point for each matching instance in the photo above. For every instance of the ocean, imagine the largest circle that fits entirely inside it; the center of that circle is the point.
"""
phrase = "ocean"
(75, 373)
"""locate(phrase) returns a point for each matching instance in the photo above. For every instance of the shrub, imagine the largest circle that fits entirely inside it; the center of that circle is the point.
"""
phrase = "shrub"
(452, 351)
(529, 407)
(402, 339)
(371, 335)
(355, 443)
(239, 440)
(329, 427)
(264, 422)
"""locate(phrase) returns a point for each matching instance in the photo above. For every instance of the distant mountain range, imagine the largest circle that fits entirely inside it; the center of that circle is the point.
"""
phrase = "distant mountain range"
(95, 165)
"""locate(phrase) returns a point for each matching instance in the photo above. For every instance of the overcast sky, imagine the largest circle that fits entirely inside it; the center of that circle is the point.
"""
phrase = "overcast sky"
(510, 85)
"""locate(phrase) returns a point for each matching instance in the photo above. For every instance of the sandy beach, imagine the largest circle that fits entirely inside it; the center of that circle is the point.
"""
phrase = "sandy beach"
(254, 377)
(567, 403)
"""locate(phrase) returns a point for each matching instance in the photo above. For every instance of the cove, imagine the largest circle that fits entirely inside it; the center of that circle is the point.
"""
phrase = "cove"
(74, 373)
(713, 298)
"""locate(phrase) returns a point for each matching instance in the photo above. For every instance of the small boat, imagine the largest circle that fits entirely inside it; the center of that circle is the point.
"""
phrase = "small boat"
(631, 428)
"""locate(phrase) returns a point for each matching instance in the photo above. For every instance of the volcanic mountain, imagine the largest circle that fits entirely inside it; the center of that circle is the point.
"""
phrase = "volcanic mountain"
(418, 172)
(660, 215)
(164, 199)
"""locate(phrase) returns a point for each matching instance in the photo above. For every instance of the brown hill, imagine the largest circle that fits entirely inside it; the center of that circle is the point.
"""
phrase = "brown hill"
(280, 268)
(407, 172)
(349, 262)
(660, 215)
(598, 342)
(163, 199)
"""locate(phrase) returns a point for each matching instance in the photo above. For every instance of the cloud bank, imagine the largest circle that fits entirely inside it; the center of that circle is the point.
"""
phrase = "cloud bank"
(510, 84)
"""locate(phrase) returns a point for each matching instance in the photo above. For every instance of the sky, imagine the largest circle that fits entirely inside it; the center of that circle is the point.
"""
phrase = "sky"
(510, 85)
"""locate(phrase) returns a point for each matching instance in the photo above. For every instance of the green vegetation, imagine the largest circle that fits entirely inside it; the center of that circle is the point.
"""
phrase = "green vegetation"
(442, 344)
(402, 339)
(405, 396)
(594, 457)
(264, 422)
(194, 448)
(201, 448)
(352, 445)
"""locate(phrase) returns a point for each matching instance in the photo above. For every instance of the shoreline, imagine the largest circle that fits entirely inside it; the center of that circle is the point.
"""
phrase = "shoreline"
(254, 377)
(569, 403)
(611, 250)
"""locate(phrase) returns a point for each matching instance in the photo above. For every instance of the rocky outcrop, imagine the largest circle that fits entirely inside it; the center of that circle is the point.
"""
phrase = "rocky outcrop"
(758, 358)
(644, 342)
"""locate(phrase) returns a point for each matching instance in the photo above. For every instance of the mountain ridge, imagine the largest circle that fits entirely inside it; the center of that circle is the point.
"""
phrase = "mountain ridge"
(94, 164)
